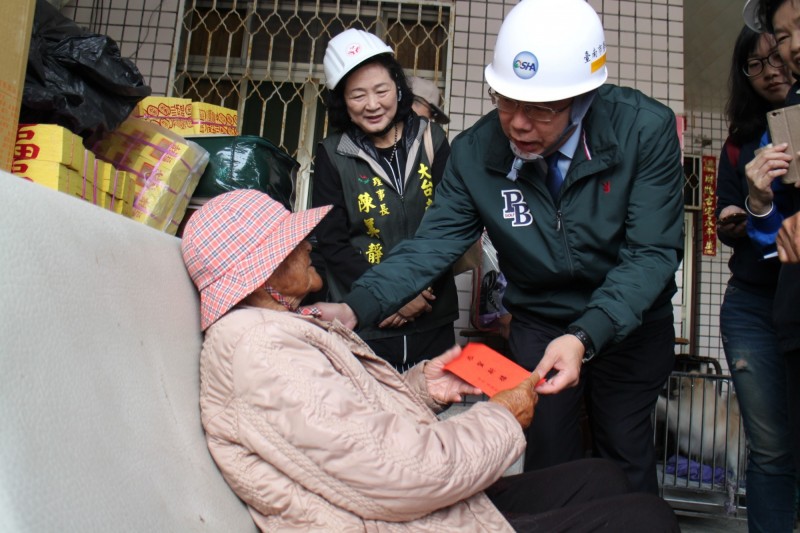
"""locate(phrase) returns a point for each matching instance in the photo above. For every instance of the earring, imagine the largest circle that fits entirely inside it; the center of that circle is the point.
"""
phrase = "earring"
(399, 95)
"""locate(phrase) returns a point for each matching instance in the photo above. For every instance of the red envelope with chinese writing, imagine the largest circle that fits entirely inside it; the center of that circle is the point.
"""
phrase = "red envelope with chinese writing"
(487, 369)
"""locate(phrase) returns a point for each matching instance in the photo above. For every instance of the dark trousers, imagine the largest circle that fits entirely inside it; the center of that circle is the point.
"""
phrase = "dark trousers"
(793, 393)
(404, 351)
(585, 495)
(619, 386)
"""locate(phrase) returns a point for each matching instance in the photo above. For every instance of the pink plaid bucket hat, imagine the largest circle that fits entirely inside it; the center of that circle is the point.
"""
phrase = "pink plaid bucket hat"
(234, 243)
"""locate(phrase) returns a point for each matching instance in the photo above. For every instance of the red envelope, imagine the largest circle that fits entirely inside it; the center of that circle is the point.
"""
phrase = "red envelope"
(490, 371)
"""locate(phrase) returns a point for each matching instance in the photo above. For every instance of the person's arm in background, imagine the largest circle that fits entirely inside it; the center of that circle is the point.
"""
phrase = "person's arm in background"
(731, 192)
(764, 217)
(332, 234)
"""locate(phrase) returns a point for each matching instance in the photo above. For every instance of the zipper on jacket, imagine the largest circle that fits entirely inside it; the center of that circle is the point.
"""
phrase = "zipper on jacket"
(560, 229)
(405, 349)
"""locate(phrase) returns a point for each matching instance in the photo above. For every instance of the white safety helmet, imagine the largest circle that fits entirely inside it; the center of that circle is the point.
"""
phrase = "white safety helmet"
(548, 50)
(348, 50)
(752, 17)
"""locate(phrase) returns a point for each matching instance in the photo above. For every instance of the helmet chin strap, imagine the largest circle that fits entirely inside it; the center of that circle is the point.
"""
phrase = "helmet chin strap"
(578, 110)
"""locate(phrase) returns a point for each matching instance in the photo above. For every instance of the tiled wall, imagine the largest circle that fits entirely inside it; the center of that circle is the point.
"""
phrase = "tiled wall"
(645, 51)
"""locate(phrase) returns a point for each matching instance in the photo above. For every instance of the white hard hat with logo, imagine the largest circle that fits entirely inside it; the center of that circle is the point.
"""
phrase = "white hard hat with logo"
(348, 50)
(548, 50)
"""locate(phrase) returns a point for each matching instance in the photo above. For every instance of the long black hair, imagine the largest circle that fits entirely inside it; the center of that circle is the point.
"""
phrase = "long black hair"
(746, 110)
(339, 119)
(766, 12)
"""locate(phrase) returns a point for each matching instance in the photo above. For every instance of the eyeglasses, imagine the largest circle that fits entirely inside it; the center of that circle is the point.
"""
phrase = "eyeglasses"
(755, 65)
(536, 112)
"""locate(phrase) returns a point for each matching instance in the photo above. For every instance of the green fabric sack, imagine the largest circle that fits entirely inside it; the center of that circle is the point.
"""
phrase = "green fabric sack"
(246, 162)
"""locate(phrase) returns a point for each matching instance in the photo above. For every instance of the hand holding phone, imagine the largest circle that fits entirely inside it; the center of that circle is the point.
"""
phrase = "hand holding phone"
(733, 218)
(732, 225)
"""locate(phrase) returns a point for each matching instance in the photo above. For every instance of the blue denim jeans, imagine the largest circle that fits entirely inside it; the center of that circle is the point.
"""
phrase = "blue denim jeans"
(758, 369)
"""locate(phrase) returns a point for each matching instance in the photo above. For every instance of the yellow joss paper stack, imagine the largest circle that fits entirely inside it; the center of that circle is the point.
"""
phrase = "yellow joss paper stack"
(55, 157)
(174, 114)
(166, 168)
(187, 118)
(209, 119)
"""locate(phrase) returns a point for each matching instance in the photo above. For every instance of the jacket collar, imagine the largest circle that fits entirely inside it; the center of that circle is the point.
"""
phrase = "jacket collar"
(597, 148)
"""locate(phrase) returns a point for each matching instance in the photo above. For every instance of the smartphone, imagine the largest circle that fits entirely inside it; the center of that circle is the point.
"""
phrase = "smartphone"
(784, 126)
(734, 218)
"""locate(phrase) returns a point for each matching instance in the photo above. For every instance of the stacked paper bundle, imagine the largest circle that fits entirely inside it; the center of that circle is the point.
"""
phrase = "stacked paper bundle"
(55, 157)
(187, 118)
(165, 165)
(174, 114)
(209, 119)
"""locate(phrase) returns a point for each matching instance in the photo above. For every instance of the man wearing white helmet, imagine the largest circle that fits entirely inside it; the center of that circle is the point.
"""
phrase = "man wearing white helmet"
(580, 187)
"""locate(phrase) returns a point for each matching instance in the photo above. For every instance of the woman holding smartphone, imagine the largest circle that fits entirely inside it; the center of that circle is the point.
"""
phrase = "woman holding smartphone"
(758, 83)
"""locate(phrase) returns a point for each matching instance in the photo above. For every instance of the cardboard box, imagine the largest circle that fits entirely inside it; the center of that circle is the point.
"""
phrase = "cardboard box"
(784, 126)
(210, 119)
(174, 114)
(15, 26)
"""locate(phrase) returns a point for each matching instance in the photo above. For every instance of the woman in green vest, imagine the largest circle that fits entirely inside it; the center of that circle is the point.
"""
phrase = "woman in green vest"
(379, 170)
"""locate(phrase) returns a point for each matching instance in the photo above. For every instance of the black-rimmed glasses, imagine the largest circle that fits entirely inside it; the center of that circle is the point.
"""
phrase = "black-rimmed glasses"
(536, 112)
(755, 65)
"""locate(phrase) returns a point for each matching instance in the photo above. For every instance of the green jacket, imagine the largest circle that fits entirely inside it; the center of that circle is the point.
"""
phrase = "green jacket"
(602, 257)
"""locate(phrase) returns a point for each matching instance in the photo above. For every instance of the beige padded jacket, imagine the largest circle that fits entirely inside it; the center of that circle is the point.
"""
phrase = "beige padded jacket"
(316, 433)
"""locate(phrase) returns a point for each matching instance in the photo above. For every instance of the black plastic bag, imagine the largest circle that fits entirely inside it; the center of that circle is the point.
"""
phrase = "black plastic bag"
(77, 79)
(247, 162)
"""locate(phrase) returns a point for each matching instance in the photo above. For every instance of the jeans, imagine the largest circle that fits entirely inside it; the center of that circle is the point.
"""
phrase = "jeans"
(759, 375)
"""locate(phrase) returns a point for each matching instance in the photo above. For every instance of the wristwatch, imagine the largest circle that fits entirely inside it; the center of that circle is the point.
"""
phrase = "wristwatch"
(588, 345)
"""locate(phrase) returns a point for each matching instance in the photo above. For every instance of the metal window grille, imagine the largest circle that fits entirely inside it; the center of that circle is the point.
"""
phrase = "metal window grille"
(264, 59)
(691, 187)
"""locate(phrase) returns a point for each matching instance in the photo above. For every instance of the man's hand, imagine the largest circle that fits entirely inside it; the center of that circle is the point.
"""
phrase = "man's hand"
(565, 355)
(444, 386)
(342, 312)
(521, 400)
(788, 240)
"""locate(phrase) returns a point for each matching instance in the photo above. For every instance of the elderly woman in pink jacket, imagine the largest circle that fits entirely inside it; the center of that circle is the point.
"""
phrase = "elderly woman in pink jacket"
(316, 433)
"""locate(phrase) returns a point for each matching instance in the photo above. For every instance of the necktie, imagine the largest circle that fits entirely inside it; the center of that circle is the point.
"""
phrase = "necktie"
(554, 178)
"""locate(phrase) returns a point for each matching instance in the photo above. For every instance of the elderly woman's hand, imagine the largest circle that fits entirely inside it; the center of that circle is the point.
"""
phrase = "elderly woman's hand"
(520, 400)
(443, 386)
